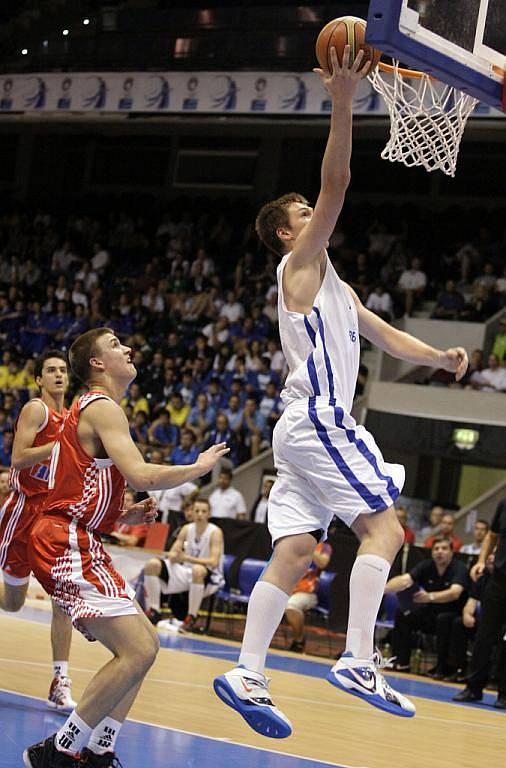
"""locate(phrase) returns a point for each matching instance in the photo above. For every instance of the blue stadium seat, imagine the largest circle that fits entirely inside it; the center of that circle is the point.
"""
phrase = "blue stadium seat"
(249, 573)
(389, 607)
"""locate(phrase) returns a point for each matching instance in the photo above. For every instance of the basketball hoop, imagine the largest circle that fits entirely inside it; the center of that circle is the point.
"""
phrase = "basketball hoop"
(427, 117)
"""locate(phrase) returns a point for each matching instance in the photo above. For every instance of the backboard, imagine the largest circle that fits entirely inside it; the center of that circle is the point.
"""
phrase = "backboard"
(461, 42)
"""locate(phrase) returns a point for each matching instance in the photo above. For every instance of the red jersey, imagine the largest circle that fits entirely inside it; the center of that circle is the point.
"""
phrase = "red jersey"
(33, 481)
(88, 490)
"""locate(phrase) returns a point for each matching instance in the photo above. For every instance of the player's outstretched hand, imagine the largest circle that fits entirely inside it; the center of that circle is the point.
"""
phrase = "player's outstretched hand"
(143, 512)
(455, 361)
(343, 80)
(207, 459)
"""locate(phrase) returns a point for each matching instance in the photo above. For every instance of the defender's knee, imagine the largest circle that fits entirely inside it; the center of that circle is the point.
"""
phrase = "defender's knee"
(199, 573)
(152, 567)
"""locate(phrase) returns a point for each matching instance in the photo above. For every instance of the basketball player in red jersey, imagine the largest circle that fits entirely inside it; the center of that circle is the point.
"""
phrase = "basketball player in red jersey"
(91, 460)
(36, 429)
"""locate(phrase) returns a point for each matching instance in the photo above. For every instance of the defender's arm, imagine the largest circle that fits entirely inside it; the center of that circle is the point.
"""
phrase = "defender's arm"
(30, 421)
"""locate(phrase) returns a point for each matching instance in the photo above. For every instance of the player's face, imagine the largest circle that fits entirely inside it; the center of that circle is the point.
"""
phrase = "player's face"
(116, 358)
(201, 512)
(442, 553)
(4, 484)
(299, 215)
(55, 377)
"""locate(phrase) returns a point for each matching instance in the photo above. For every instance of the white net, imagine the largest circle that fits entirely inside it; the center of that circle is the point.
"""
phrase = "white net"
(427, 119)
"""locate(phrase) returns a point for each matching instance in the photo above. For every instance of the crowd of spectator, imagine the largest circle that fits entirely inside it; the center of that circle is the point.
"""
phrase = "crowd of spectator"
(195, 296)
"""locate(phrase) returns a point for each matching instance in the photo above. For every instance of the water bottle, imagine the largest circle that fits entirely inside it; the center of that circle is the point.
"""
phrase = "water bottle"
(386, 651)
(415, 661)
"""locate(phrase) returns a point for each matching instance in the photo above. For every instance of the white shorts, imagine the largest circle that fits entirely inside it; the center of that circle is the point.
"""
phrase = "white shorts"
(180, 579)
(327, 465)
(302, 601)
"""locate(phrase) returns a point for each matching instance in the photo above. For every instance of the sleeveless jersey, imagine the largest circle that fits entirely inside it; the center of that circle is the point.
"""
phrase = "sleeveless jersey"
(201, 547)
(33, 481)
(322, 349)
(88, 490)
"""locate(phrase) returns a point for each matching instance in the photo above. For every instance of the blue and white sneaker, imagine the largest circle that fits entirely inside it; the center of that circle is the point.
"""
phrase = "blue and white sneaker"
(247, 692)
(361, 677)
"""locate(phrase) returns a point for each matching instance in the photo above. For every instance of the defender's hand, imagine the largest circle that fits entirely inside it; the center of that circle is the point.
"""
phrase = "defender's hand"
(143, 512)
(343, 80)
(477, 571)
(455, 361)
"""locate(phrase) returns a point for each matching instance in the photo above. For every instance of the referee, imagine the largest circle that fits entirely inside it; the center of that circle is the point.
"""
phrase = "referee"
(493, 614)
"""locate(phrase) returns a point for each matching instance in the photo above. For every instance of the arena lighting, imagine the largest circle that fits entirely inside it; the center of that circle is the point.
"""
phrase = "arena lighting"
(24, 51)
(86, 22)
(465, 439)
(65, 32)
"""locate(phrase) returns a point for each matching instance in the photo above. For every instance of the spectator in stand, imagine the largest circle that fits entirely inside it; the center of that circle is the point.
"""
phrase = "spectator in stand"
(64, 258)
(252, 428)
(234, 414)
(223, 434)
(491, 629)
(446, 530)
(491, 379)
(488, 278)
(402, 517)
(201, 418)
(411, 285)
(233, 310)
(186, 452)
(163, 434)
(436, 595)
(6, 440)
(259, 511)
(480, 530)
(136, 400)
(101, 258)
(225, 500)
(380, 302)
(129, 535)
(450, 303)
(304, 596)
(435, 517)
(4, 487)
(499, 346)
(475, 366)
(500, 289)
(139, 431)
(178, 410)
(481, 306)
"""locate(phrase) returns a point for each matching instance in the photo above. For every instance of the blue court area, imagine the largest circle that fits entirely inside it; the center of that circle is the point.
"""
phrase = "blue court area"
(26, 720)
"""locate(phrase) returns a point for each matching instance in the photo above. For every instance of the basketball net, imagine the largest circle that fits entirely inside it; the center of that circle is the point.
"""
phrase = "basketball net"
(427, 118)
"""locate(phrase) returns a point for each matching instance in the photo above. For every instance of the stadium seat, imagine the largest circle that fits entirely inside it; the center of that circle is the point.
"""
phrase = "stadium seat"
(157, 536)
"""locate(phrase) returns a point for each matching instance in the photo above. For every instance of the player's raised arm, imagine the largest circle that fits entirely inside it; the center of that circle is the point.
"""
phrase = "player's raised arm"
(406, 347)
(335, 173)
(111, 426)
(31, 419)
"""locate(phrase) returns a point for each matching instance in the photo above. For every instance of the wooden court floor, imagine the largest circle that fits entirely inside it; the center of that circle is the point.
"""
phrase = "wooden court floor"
(328, 725)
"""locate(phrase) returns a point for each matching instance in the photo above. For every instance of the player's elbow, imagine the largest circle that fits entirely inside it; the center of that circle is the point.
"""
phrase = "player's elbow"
(17, 460)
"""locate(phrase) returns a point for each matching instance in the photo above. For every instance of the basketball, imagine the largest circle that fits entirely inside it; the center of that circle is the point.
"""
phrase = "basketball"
(346, 30)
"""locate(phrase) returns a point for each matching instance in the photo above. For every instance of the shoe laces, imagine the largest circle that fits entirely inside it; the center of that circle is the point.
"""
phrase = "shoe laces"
(380, 661)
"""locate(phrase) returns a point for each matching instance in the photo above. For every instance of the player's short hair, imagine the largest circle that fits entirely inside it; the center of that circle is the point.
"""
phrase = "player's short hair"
(202, 500)
(39, 363)
(272, 216)
(82, 350)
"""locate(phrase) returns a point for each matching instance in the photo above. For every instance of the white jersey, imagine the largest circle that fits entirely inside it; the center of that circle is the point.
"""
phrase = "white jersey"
(322, 349)
(200, 546)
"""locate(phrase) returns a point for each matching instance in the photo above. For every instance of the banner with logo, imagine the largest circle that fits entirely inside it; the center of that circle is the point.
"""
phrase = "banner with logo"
(278, 93)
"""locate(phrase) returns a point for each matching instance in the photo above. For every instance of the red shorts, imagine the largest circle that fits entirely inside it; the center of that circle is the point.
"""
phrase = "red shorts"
(17, 516)
(71, 564)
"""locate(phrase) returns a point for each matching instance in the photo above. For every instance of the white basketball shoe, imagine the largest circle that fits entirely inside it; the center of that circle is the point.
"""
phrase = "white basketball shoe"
(362, 678)
(247, 692)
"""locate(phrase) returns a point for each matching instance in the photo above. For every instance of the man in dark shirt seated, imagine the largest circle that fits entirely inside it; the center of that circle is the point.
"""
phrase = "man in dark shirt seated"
(435, 594)
(493, 615)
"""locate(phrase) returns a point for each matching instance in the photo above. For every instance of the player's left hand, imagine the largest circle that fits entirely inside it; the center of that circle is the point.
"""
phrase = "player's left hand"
(455, 361)
(143, 512)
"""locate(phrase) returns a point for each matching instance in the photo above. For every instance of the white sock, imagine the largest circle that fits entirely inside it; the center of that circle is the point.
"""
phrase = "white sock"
(195, 598)
(265, 610)
(73, 735)
(153, 591)
(367, 585)
(60, 668)
(103, 738)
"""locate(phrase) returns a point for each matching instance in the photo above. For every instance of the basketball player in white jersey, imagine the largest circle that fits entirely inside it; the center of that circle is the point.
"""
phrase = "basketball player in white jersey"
(193, 565)
(36, 428)
(327, 464)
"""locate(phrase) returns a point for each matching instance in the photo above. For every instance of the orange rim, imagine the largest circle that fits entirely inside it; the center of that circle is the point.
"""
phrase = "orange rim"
(404, 72)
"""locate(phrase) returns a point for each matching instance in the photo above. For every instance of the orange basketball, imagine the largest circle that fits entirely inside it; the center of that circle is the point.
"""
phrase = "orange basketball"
(346, 30)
